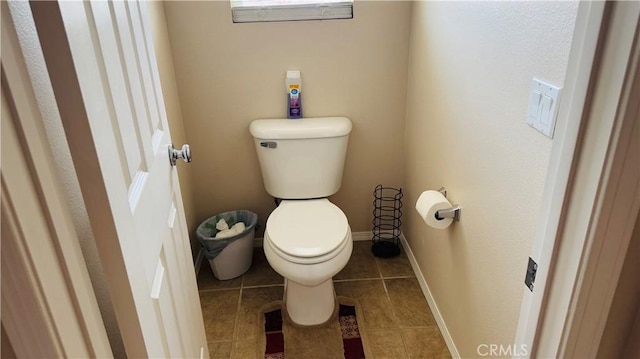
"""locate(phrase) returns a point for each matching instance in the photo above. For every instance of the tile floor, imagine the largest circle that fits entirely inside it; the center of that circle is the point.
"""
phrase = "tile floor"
(397, 321)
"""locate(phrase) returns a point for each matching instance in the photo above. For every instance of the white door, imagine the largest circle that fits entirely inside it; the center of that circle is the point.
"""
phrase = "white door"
(104, 74)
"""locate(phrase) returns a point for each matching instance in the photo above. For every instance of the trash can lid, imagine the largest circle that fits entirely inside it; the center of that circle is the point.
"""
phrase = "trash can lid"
(307, 228)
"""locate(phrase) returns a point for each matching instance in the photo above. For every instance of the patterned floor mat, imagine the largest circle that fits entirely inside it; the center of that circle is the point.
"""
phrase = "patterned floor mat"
(277, 330)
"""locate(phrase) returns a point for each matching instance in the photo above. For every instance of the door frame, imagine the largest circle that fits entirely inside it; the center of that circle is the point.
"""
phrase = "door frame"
(562, 180)
(592, 190)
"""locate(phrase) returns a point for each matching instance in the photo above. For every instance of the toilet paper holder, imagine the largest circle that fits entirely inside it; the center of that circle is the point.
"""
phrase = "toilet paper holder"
(453, 212)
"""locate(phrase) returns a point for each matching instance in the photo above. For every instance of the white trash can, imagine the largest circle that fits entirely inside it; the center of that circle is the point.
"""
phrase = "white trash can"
(229, 257)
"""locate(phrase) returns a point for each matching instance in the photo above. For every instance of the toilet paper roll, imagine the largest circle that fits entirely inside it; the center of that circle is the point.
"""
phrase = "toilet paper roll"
(222, 225)
(225, 234)
(428, 204)
(238, 227)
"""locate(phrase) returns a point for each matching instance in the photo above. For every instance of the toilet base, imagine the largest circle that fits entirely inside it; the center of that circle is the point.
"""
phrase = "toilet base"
(309, 305)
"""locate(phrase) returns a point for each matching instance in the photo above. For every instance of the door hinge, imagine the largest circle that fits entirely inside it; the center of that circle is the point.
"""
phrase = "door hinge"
(530, 278)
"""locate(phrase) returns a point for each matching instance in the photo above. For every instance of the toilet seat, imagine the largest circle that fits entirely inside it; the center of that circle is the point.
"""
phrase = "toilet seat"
(307, 231)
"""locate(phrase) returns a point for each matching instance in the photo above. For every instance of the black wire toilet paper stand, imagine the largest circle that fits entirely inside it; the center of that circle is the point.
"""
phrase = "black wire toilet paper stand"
(387, 214)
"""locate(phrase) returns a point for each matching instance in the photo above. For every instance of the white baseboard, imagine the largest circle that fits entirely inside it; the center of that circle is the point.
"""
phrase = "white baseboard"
(361, 236)
(430, 300)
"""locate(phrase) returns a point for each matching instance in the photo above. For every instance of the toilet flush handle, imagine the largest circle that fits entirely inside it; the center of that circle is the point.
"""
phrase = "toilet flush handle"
(269, 144)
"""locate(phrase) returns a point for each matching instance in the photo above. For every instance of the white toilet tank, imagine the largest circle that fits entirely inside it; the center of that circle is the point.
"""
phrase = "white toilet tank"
(301, 158)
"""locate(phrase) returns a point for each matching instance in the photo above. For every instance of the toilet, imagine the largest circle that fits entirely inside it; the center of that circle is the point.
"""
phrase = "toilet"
(307, 238)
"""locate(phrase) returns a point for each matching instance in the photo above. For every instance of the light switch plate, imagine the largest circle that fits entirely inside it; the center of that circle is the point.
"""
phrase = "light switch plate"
(543, 106)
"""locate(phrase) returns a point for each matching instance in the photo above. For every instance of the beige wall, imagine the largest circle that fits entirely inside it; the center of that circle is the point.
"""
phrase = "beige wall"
(230, 74)
(174, 111)
(470, 71)
(624, 315)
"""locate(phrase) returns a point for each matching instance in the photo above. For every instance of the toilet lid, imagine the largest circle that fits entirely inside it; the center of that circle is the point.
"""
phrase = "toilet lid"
(307, 228)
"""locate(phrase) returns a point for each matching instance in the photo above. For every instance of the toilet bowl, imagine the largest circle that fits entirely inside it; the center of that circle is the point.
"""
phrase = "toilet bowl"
(307, 238)
(308, 242)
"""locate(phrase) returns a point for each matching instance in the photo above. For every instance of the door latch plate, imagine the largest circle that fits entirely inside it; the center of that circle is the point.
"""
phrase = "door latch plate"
(530, 278)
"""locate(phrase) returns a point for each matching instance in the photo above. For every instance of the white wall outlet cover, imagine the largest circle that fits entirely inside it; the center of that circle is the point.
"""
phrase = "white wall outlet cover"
(543, 106)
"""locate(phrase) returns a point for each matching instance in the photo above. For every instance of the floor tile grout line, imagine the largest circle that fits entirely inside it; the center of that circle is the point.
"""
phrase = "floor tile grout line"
(237, 318)
(361, 279)
(263, 286)
(379, 270)
(354, 279)
(400, 277)
(243, 286)
(376, 278)
(382, 278)
(404, 342)
(384, 285)
(217, 290)
(386, 292)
